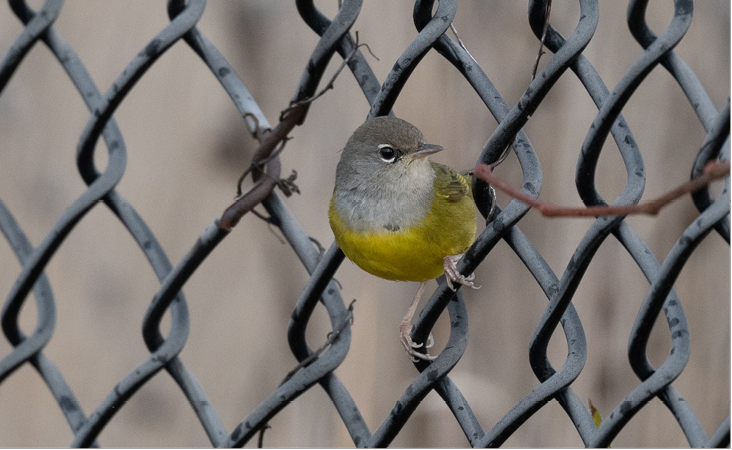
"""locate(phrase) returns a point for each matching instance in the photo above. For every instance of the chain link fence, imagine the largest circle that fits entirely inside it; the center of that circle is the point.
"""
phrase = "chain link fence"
(638, 346)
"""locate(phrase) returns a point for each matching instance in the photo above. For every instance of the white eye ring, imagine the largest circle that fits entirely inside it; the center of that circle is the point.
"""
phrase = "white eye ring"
(387, 153)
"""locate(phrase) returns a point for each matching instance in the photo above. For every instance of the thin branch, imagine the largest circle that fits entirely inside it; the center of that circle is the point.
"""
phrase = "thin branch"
(330, 84)
(259, 164)
(270, 225)
(262, 186)
(714, 170)
(460, 41)
(543, 38)
(265, 166)
(260, 441)
(330, 340)
(503, 156)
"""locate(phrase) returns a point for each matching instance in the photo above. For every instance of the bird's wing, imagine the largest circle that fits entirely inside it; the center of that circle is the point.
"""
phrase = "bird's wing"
(449, 184)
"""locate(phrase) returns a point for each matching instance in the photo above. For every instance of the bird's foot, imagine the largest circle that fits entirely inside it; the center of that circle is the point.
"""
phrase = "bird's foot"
(453, 276)
(404, 336)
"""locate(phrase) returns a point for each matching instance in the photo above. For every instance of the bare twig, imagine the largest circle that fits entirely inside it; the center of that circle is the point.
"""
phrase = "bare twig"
(319, 246)
(270, 222)
(330, 340)
(460, 41)
(265, 167)
(714, 170)
(262, 187)
(543, 38)
(503, 156)
(330, 84)
(262, 216)
(259, 164)
(260, 441)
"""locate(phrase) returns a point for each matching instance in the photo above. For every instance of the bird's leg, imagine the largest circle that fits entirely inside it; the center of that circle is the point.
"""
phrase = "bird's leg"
(405, 329)
(453, 276)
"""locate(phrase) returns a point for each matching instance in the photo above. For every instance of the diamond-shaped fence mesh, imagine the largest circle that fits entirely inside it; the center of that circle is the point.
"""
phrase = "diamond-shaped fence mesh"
(630, 315)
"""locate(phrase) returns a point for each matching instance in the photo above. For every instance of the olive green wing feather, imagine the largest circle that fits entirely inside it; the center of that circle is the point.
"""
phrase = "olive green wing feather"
(449, 184)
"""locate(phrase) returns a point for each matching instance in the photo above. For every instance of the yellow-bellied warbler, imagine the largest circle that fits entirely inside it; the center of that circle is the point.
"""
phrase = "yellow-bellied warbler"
(399, 216)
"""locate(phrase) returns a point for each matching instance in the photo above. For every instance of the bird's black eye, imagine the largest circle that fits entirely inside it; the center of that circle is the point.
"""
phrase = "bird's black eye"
(388, 154)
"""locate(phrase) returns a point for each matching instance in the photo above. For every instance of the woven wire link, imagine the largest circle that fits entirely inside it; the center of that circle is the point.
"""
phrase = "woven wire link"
(432, 23)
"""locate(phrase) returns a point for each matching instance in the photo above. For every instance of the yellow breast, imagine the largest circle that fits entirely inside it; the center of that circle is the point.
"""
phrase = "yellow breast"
(415, 253)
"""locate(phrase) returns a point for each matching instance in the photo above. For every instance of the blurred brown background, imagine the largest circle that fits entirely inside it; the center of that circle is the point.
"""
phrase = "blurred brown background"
(187, 146)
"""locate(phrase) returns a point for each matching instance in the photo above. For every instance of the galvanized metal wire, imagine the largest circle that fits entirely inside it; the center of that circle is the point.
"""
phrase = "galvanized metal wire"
(555, 382)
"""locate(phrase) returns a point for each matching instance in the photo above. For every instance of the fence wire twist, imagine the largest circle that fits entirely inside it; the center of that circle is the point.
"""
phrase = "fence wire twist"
(555, 382)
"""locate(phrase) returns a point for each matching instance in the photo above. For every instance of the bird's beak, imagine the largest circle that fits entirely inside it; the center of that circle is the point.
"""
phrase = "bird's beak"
(426, 149)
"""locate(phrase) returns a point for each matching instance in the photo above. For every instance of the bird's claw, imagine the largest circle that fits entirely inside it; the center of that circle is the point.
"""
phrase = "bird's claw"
(409, 345)
(452, 275)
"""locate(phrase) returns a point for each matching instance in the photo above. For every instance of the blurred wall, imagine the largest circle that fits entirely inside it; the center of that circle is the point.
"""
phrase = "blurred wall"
(187, 146)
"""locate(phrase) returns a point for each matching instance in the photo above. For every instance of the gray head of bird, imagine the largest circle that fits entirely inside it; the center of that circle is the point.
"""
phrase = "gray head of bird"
(384, 157)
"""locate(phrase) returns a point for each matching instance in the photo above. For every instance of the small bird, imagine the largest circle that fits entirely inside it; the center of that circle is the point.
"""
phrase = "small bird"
(399, 216)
